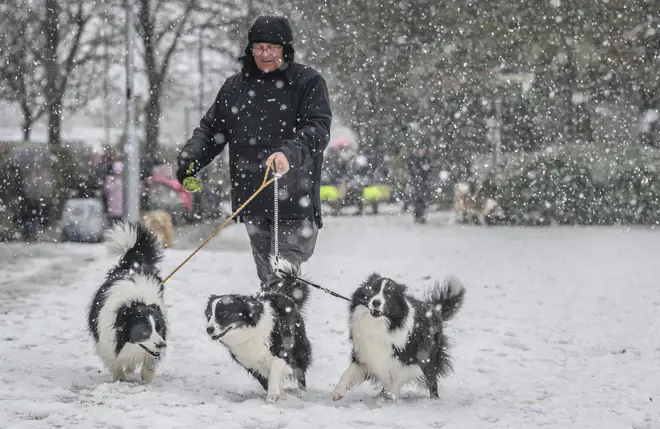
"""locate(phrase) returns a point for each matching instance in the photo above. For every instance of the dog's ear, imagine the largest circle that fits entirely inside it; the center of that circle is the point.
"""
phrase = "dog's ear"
(403, 289)
(373, 278)
(211, 298)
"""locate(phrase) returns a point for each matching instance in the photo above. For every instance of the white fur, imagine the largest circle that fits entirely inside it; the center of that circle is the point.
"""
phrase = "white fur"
(144, 289)
(469, 206)
(380, 297)
(121, 238)
(462, 189)
(373, 344)
(354, 375)
(251, 347)
(281, 264)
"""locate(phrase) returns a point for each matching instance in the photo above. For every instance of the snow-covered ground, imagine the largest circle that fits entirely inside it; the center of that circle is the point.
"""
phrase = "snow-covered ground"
(559, 329)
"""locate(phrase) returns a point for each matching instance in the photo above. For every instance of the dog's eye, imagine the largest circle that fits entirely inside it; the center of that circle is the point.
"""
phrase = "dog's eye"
(139, 333)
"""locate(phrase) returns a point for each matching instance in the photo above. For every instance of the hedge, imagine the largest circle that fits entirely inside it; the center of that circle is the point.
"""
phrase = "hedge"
(579, 184)
(67, 173)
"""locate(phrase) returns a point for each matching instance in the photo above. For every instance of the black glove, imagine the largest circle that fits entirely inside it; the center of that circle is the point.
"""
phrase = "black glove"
(187, 167)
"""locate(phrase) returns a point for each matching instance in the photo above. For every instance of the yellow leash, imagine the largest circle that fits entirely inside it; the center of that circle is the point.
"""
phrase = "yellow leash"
(263, 186)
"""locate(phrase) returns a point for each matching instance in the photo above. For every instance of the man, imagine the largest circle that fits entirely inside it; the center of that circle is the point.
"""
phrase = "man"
(274, 111)
(419, 168)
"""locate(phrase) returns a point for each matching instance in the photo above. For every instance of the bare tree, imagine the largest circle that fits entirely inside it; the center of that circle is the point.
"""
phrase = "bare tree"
(20, 80)
(64, 47)
(162, 26)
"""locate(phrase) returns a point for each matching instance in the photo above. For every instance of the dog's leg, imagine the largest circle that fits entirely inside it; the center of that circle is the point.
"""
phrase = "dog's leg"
(431, 379)
(354, 375)
(433, 387)
(482, 219)
(169, 238)
(118, 374)
(279, 370)
(300, 377)
(260, 378)
(392, 390)
(149, 368)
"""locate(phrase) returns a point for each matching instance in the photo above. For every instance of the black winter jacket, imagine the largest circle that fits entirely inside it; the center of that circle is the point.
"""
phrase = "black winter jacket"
(420, 169)
(256, 114)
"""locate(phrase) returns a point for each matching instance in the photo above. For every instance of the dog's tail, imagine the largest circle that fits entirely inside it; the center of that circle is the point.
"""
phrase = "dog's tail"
(286, 281)
(447, 298)
(135, 244)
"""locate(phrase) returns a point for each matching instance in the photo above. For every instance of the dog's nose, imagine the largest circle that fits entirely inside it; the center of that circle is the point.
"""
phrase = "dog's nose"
(161, 345)
(376, 303)
(209, 330)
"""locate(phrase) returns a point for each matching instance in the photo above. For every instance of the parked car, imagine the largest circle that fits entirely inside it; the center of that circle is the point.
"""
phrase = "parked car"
(83, 220)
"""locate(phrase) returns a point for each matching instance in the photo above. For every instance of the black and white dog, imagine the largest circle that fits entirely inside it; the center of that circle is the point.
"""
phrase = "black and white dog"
(397, 338)
(126, 317)
(265, 333)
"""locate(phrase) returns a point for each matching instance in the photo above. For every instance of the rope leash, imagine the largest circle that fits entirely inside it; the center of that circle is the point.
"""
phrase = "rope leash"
(263, 186)
(276, 222)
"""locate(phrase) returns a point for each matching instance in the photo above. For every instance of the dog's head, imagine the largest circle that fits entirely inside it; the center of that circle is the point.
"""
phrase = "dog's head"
(143, 325)
(383, 297)
(225, 313)
(493, 209)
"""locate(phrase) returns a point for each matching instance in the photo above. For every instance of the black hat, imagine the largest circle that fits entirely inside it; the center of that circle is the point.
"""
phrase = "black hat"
(272, 29)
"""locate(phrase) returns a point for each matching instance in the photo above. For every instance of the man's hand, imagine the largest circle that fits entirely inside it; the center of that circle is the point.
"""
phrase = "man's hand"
(188, 167)
(281, 163)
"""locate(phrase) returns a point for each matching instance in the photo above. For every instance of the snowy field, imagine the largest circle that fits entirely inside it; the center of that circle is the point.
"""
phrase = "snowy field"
(559, 329)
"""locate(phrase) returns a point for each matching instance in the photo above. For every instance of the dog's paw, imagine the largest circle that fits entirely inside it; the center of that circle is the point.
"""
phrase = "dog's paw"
(273, 397)
(338, 394)
(147, 374)
(387, 396)
(118, 375)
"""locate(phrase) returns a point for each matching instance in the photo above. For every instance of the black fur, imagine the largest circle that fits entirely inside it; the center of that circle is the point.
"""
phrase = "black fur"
(133, 326)
(144, 256)
(132, 319)
(288, 338)
(427, 345)
(286, 283)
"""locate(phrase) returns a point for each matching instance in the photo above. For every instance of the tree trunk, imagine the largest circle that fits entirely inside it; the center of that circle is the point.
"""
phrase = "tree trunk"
(152, 119)
(27, 122)
(52, 33)
(55, 122)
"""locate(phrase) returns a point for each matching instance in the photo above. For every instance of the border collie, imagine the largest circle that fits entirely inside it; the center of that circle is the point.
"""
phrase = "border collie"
(126, 317)
(471, 203)
(397, 338)
(265, 332)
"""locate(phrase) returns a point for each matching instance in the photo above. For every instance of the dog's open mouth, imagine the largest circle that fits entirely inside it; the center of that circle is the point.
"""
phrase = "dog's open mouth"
(376, 313)
(154, 354)
(221, 334)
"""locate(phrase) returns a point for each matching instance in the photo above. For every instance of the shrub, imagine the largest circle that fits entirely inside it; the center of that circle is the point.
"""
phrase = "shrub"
(579, 184)
(65, 173)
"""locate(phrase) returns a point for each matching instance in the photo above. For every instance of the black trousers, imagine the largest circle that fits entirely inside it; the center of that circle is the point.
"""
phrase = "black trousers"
(297, 241)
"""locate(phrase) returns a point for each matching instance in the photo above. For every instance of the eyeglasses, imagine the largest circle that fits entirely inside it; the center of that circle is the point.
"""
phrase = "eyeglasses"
(267, 48)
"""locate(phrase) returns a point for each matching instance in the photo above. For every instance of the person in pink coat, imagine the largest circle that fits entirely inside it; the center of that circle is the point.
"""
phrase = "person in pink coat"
(114, 191)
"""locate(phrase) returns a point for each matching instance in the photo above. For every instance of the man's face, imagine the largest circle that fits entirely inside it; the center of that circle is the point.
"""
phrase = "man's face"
(268, 56)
